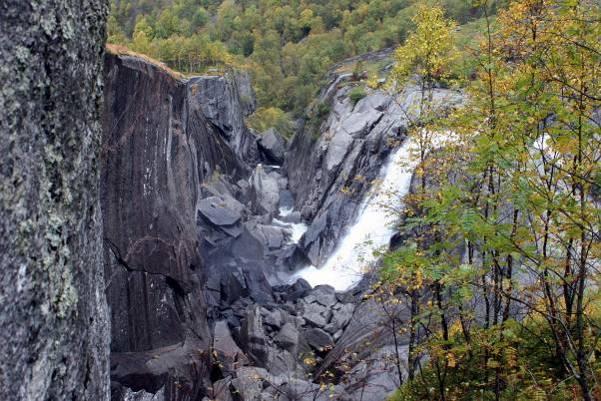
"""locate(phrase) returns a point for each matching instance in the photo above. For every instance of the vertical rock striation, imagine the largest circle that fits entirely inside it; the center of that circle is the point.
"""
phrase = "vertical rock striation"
(54, 336)
(155, 153)
(166, 139)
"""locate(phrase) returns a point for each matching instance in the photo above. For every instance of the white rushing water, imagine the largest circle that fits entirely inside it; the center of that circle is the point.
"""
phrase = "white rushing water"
(373, 228)
(296, 229)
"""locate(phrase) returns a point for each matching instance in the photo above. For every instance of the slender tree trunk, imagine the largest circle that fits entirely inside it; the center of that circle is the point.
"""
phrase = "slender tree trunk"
(413, 337)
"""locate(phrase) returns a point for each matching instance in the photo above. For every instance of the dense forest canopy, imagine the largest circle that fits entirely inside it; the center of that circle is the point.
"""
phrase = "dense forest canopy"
(287, 45)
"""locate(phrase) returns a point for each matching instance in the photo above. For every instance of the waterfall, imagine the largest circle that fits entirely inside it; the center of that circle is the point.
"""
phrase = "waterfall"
(356, 252)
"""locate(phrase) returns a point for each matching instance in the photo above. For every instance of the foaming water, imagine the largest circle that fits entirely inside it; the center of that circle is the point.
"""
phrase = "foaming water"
(296, 230)
(357, 251)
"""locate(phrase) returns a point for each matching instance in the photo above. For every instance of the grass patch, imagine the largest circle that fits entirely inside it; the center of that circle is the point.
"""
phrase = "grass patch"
(120, 50)
(356, 94)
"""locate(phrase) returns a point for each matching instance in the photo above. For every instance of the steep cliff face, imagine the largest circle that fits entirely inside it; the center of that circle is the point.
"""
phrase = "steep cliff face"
(226, 102)
(344, 155)
(157, 149)
(182, 239)
(54, 336)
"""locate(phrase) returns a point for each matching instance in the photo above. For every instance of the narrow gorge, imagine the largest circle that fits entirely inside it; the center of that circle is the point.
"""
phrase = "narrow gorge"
(233, 261)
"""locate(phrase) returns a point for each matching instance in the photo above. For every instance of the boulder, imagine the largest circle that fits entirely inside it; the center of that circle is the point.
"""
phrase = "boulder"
(180, 366)
(232, 286)
(297, 290)
(303, 390)
(221, 391)
(316, 314)
(265, 191)
(253, 337)
(273, 146)
(272, 237)
(283, 363)
(220, 211)
(228, 354)
(273, 318)
(287, 337)
(342, 316)
(249, 384)
(318, 339)
(376, 377)
(324, 295)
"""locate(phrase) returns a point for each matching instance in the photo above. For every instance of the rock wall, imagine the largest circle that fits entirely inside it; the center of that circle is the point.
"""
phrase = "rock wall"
(226, 102)
(54, 336)
(158, 148)
(343, 155)
(186, 226)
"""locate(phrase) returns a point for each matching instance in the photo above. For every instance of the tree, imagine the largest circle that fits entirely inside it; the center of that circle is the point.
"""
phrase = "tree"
(427, 51)
(522, 217)
(425, 54)
(329, 32)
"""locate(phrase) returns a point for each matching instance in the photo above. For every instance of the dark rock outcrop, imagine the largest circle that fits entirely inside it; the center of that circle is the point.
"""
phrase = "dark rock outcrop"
(225, 102)
(272, 146)
(158, 148)
(188, 228)
(342, 160)
(54, 336)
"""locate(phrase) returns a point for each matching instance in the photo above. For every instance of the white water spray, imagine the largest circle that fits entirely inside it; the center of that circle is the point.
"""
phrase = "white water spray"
(357, 251)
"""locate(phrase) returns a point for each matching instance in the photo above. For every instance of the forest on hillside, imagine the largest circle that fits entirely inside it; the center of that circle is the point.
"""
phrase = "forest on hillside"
(286, 45)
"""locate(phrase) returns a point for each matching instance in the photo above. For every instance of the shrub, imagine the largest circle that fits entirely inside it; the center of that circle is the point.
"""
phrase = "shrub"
(267, 117)
(357, 94)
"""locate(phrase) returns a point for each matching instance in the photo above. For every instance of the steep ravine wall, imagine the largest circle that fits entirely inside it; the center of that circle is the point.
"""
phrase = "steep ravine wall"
(53, 318)
(344, 155)
(157, 150)
(344, 158)
(187, 212)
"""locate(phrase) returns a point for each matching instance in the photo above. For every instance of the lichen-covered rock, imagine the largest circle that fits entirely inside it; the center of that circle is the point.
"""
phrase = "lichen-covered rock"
(54, 336)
